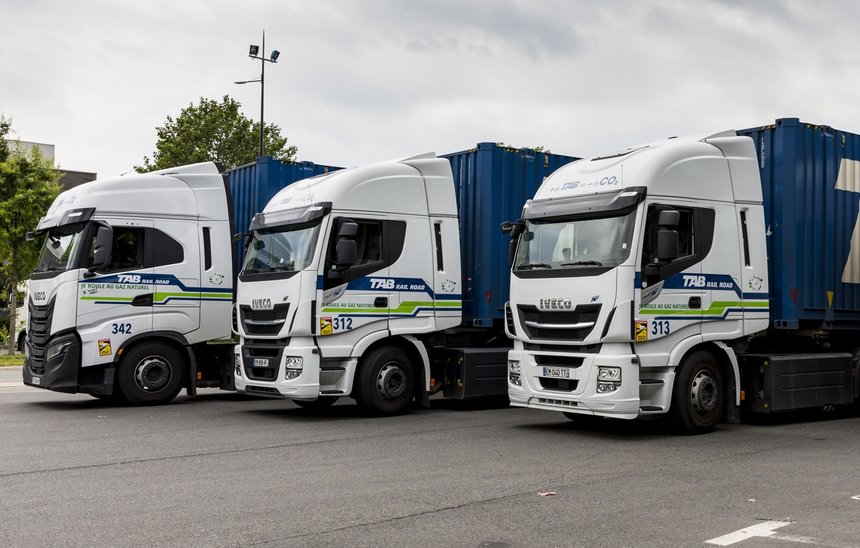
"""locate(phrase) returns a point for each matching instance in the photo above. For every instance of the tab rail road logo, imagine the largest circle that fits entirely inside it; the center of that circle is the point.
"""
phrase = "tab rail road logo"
(555, 304)
(261, 304)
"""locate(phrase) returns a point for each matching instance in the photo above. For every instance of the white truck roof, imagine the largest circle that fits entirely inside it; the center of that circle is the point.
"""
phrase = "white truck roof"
(670, 167)
(193, 191)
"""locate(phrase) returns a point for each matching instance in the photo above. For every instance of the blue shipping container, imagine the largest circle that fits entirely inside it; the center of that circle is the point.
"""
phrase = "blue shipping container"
(810, 182)
(492, 183)
(253, 185)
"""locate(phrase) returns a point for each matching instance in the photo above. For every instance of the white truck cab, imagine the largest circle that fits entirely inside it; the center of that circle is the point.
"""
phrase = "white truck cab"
(135, 276)
(631, 273)
(350, 285)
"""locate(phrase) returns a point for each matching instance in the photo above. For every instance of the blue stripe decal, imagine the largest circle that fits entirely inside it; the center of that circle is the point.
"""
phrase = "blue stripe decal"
(136, 278)
(720, 282)
(385, 284)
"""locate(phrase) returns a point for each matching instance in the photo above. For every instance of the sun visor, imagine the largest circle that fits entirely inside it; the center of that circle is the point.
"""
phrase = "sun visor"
(290, 216)
(583, 206)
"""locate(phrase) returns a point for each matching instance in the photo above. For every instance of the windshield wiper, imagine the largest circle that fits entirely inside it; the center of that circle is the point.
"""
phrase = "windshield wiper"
(583, 263)
(534, 265)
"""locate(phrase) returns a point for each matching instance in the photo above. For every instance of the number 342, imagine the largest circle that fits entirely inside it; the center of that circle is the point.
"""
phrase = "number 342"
(124, 328)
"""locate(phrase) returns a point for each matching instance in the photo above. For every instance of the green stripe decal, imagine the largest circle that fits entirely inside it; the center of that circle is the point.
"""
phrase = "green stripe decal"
(717, 308)
(406, 307)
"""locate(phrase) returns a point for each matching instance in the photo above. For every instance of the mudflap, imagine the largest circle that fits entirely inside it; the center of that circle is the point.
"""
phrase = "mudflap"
(210, 366)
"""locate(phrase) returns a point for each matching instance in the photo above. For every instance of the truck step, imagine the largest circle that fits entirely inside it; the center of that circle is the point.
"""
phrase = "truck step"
(650, 381)
(650, 408)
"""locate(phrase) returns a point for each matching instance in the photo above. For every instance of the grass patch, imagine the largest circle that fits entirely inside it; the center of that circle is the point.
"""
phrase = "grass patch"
(17, 359)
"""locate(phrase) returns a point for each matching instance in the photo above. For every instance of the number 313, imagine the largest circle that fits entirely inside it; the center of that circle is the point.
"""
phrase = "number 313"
(660, 327)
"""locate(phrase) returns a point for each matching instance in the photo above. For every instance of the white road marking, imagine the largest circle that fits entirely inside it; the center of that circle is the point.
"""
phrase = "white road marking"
(764, 529)
(11, 384)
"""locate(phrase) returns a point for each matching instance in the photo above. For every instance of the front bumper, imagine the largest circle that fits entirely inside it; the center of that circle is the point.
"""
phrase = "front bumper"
(63, 372)
(580, 394)
(270, 381)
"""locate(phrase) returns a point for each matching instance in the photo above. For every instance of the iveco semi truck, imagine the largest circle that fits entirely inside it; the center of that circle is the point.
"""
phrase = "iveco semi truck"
(135, 276)
(692, 277)
(135, 282)
(385, 283)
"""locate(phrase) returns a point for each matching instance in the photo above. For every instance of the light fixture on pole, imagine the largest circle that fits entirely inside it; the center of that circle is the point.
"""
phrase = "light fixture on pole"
(255, 52)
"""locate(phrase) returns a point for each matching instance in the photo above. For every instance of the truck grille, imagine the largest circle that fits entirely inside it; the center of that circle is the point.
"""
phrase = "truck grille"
(268, 353)
(38, 327)
(554, 324)
(509, 318)
(263, 322)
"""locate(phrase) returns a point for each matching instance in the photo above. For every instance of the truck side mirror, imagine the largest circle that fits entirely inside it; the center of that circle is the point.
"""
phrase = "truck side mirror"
(667, 244)
(102, 247)
(514, 229)
(667, 235)
(346, 252)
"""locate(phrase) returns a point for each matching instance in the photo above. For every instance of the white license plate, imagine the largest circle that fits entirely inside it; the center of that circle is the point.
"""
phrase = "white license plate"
(556, 372)
(261, 362)
(37, 381)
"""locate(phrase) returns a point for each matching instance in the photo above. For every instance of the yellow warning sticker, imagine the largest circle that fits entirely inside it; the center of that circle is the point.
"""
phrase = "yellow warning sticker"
(326, 326)
(104, 347)
(641, 330)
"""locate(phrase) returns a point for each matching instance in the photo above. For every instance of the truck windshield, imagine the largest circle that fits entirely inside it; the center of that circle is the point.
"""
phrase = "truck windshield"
(61, 248)
(281, 249)
(578, 243)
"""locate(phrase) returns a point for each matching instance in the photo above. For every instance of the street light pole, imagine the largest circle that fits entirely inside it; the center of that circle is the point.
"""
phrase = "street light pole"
(255, 52)
(262, 91)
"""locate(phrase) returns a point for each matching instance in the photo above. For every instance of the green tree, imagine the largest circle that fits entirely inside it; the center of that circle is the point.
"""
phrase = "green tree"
(28, 185)
(214, 131)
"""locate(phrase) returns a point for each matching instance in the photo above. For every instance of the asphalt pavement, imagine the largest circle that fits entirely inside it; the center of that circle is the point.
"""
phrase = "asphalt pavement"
(228, 470)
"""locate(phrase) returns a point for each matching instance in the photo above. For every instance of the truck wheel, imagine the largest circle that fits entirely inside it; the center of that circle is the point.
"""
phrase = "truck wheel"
(151, 374)
(697, 402)
(385, 382)
(322, 402)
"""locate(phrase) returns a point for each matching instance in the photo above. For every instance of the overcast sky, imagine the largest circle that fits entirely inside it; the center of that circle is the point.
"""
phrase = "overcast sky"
(360, 81)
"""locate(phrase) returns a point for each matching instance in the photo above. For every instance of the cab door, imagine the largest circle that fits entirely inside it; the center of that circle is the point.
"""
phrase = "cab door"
(673, 291)
(115, 302)
(354, 300)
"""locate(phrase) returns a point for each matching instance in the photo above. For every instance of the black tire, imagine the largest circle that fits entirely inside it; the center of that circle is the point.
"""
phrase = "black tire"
(21, 338)
(385, 382)
(322, 402)
(699, 395)
(151, 374)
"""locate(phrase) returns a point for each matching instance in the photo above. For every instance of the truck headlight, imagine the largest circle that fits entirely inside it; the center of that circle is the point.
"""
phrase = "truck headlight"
(514, 372)
(608, 379)
(293, 366)
(56, 349)
(237, 362)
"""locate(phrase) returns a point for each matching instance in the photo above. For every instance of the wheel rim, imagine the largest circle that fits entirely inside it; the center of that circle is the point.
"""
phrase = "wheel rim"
(152, 373)
(391, 381)
(704, 392)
